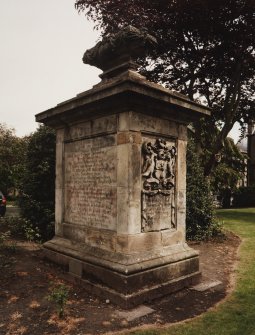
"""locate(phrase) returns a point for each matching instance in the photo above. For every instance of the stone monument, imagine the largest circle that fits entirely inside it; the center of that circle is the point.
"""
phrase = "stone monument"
(121, 179)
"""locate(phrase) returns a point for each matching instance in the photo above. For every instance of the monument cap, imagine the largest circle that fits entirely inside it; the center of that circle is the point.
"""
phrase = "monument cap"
(119, 52)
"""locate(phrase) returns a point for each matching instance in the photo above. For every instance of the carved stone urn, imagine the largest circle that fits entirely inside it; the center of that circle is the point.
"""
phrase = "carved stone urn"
(121, 179)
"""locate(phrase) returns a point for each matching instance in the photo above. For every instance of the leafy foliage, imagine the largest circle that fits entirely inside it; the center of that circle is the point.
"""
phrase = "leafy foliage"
(38, 187)
(19, 227)
(3, 237)
(12, 158)
(244, 197)
(205, 50)
(200, 220)
(229, 170)
(59, 295)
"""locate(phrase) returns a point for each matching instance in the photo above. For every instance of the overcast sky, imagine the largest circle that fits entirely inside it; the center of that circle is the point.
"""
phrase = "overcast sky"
(42, 44)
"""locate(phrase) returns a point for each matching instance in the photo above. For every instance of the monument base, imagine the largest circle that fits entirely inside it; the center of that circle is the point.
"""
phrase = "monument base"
(127, 280)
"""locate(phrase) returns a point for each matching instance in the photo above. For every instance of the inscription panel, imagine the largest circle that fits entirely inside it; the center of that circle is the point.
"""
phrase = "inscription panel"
(158, 184)
(158, 212)
(90, 183)
(92, 127)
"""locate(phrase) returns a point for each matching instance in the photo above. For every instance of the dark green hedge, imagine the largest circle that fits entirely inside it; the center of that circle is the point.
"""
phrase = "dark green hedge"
(200, 220)
(37, 200)
(244, 197)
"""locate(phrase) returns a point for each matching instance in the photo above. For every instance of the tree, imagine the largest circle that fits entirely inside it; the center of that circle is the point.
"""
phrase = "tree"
(12, 158)
(37, 200)
(205, 50)
(229, 170)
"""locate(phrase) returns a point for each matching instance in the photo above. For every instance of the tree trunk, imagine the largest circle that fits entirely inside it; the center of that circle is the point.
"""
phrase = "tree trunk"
(210, 164)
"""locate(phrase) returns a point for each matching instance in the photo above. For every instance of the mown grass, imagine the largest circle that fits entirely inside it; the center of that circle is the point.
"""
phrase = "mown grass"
(236, 316)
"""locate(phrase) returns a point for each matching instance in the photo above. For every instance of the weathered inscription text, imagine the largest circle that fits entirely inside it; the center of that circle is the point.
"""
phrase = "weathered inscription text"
(90, 184)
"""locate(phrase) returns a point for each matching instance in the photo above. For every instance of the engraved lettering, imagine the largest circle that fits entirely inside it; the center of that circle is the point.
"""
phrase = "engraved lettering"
(90, 184)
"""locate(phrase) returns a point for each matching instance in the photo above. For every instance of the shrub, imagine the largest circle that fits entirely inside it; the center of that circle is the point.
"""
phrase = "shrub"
(200, 221)
(3, 237)
(59, 295)
(244, 197)
(37, 200)
(20, 228)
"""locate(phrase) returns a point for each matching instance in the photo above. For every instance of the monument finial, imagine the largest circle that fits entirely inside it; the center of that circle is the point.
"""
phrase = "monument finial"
(118, 52)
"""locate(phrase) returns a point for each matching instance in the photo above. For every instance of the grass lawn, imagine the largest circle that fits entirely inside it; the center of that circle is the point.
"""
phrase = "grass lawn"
(236, 316)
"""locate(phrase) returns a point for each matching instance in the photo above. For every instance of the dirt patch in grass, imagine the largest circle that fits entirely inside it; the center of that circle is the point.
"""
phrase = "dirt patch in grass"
(25, 281)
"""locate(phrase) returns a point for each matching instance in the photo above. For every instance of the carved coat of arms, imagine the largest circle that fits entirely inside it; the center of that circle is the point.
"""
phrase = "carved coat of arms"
(158, 168)
(158, 175)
